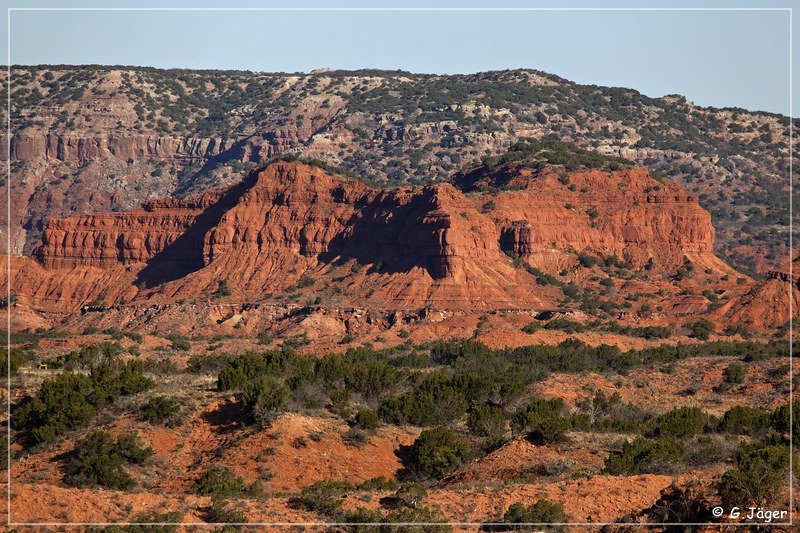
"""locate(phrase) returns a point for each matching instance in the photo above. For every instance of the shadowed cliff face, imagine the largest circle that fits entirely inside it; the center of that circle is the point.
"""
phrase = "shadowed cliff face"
(185, 254)
(110, 239)
(416, 229)
(414, 247)
(315, 215)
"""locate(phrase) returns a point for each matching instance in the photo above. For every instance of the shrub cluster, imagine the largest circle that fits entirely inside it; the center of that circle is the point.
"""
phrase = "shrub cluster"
(268, 380)
(162, 410)
(681, 436)
(644, 456)
(742, 420)
(71, 400)
(487, 421)
(541, 512)
(701, 329)
(263, 397)
(366, 419)
(220, 482)
(86, 357)
(179, 342)
(438, 399)
(327, 497)
(17, 357)
(543, 420)
(601, 412)
(100, 460)
(441, 382)
(679, 423)
(437, 452)
(759, 477)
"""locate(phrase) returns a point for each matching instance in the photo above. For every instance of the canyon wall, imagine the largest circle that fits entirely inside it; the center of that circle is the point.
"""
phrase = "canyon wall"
(73, 148)
(625, 213)
(292, 223)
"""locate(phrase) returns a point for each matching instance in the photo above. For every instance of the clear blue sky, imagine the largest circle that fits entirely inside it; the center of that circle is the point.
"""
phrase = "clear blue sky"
(718, 58)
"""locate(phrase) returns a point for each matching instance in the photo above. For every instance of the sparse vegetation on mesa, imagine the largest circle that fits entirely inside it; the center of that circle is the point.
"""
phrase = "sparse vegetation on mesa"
(553, 152)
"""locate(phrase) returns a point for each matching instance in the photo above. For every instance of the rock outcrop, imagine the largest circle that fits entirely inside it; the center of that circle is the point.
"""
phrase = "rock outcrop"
(109, 239)
(627, 213)
(75, 149)
(767, 304)
(293, 225)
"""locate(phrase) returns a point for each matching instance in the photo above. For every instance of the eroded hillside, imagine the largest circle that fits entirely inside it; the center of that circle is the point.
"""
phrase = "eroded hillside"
(94, 139)
(546, 228)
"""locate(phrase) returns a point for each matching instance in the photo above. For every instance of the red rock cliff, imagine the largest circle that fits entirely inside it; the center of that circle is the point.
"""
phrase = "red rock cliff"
(626, 212)
(433, 246)
(109, 239)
